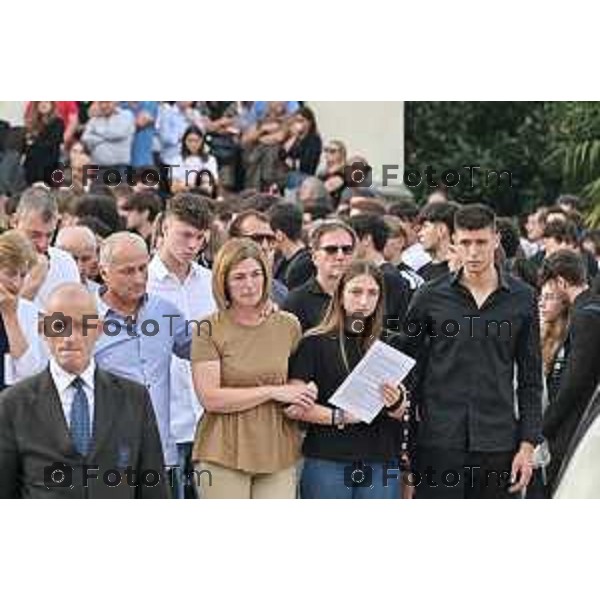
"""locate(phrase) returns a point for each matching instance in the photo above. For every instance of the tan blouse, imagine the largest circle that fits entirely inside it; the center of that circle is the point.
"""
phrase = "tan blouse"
(261, 439)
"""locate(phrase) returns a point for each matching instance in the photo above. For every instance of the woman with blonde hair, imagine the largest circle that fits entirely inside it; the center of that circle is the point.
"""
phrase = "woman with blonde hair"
(332, 175)
(21, 350)
(244, 442)
(344, 457)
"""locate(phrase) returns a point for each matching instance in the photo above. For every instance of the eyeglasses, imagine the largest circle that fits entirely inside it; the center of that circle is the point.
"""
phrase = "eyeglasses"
(550, 297)
(261, 238)
(331, 150)
(347, 250)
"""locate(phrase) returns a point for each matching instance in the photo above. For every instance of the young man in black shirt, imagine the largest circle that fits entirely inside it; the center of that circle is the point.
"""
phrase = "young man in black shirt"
(468, 330)
(294, 265)
(333, 244)
(435, 235)
(564, 273)
(372, 233)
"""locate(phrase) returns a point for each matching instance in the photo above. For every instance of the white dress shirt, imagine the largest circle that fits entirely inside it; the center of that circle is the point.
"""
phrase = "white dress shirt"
(66, 392)
(35, 358)
(62, 269)
(415, 256)
(195, 300)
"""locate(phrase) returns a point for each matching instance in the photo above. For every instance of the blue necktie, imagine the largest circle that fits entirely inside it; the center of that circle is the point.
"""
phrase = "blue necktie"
(80, 418)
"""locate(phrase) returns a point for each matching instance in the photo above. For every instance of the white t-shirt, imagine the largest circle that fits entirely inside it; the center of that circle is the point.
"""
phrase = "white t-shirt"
(35, 358)
(194, 163)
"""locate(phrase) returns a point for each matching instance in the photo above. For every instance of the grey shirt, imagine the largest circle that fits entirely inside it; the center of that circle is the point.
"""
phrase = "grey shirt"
(110, 138)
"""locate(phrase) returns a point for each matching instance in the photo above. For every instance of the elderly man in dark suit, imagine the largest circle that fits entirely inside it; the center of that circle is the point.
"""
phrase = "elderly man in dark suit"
(76, 431)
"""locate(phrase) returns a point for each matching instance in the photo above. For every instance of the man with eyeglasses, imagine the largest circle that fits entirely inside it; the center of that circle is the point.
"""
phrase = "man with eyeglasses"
(333, 244)
(257, 227)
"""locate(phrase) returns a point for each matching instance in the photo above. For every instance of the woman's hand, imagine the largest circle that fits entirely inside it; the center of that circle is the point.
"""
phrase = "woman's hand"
(302, 395)
(391, 393)
(295, 412)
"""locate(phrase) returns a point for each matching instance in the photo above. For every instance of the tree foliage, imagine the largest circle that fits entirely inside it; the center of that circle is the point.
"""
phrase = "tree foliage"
(548, 147)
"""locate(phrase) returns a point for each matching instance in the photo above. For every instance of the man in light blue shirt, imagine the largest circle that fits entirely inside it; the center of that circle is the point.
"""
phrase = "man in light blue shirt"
(145, 113)
(259, 108)
(142, 331)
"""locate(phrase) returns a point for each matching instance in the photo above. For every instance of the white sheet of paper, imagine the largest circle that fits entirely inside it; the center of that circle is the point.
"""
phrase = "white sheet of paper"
(360, 394)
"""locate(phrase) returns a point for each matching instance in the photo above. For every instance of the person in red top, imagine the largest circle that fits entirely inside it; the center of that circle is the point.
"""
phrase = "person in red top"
(68, 111)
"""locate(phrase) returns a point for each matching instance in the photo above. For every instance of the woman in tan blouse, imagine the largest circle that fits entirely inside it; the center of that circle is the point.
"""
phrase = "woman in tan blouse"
(239, 366)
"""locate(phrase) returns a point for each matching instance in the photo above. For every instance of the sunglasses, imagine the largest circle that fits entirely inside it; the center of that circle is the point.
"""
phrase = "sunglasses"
(261, 238)
(347, 250)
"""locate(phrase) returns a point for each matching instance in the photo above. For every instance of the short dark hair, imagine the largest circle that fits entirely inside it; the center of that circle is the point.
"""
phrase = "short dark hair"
(327, 226)
(102, 208)
(373, 225)
(259, 202)
(404, 209)
(235, 227)
(145, 200)
(556, 210)
(561, 231)
(192, 209)
(594, 237)
(440, 212)
(567, 264)
(98, 226)
(287, 217)
(509, 236)
(474, 216)
(570, 200)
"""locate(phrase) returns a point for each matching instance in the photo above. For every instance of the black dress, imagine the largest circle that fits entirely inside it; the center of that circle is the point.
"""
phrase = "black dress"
(306, 153)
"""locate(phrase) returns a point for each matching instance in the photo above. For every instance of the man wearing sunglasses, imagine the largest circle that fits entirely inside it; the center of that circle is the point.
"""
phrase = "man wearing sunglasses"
(257, 227)
(333, 244)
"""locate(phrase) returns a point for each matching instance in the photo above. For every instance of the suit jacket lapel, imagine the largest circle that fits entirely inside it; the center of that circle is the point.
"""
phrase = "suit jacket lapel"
(104, 411)
(52, 413)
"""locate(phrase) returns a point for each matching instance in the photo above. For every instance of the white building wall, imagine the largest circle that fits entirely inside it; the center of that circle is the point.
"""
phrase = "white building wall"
(374, 130)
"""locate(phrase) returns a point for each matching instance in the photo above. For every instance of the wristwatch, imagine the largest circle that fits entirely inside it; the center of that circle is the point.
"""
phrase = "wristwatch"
(337, 418)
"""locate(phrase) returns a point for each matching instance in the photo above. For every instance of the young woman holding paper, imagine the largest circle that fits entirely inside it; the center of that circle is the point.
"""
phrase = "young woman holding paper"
(343, 457)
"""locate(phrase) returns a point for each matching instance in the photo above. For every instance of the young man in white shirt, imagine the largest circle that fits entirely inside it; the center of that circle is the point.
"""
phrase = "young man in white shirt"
(36, 217)
(174, 274)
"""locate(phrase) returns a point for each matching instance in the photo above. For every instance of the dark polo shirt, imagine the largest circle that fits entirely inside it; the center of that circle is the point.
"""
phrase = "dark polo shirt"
(308, 302)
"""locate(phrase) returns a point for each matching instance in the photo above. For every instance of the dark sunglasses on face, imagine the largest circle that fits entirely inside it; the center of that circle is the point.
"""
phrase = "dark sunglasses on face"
(261, 238)
(347, 250)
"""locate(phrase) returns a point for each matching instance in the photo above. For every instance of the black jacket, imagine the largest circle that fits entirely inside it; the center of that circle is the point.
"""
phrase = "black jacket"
(37, 457)
(580, 377)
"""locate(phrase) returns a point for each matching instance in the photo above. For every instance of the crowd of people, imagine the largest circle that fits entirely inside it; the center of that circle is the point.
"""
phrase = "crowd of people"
(196, 327)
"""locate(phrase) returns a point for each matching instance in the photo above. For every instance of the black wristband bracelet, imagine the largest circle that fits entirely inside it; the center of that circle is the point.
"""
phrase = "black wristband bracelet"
(394, 406)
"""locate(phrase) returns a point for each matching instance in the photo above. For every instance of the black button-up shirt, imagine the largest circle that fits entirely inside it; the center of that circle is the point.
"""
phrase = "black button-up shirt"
(464, 381)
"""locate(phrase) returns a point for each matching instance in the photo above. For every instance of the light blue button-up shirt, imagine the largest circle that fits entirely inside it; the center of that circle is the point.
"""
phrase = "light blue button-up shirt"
(142, 350)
